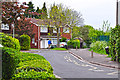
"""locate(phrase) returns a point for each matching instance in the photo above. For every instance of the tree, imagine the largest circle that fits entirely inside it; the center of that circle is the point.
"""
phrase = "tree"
(11, 11)
(39, 11)
(44, 12)
(24, 26)
(30, 11)
(73, 18)
(58, 18)
(82, 32)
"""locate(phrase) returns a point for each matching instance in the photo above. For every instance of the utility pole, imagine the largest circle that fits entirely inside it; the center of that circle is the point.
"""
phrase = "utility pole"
(117, 13)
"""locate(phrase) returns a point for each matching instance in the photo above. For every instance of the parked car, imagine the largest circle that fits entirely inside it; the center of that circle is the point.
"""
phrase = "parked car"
(63, 45)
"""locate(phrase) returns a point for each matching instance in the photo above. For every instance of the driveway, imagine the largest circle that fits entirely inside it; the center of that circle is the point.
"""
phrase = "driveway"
(67, 66)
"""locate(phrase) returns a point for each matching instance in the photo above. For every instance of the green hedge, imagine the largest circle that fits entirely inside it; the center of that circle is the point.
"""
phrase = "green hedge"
(20, 65)
(33, 66)
(99, 46)
(74, 43)
(25, 42)
(8, 41)
(115, 43)
(9, 62)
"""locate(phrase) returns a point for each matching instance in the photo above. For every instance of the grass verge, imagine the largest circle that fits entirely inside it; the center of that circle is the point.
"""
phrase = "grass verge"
(61, 49)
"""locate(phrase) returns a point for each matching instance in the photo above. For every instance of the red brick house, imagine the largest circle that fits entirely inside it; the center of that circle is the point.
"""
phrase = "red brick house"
(41, 30)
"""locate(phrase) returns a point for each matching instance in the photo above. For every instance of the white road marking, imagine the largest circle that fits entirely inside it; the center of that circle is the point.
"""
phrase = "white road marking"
(112, 73)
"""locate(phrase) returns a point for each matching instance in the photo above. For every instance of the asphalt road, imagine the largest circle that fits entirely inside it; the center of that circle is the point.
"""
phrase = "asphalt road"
(67, 66)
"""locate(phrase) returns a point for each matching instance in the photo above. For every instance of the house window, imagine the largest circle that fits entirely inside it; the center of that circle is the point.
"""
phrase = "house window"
(44, 29)
(4, 27)
(33, 40)
(55, 30)
(55, 41)
(66, 30)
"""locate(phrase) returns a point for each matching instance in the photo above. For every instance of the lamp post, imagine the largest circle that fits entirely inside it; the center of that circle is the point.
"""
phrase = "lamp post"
(13, 29)
(117, 13)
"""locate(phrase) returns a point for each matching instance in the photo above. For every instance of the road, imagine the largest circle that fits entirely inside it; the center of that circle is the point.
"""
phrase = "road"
(67, 66)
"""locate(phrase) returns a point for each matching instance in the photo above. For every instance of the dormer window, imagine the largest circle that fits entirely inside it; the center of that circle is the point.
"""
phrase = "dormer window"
(44, 29)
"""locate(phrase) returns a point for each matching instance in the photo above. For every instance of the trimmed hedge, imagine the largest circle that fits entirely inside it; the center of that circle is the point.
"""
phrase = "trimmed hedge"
(74, 43)
(9, 62)
(8, 41)
(25, 42)
(20, 65)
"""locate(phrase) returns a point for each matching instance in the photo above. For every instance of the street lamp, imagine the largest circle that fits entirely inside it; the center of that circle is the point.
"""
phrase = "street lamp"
(13, 29)
(117, 13)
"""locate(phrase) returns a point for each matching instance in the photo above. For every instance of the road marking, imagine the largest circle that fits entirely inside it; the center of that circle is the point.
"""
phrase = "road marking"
(112, 73)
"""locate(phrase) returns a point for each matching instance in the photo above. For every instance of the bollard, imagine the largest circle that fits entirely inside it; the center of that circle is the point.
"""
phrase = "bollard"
(76, 47)
(92, 54)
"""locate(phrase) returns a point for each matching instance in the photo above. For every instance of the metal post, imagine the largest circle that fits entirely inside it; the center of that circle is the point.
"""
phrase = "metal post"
(13, 30)
(92, 54)
(117, 13)
(76, 47)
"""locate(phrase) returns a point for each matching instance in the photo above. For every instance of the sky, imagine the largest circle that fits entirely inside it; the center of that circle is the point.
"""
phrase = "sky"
(94, 12)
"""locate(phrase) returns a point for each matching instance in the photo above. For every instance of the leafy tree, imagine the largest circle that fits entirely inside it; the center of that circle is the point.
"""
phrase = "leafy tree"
(11, 12)
(58, 17)
(73, 18)
(44, 12)
(30, 11)
(82, 32)
(24, 26)
(39, 11)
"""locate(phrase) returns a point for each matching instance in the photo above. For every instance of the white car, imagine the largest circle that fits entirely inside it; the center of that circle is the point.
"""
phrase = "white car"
(63, 45)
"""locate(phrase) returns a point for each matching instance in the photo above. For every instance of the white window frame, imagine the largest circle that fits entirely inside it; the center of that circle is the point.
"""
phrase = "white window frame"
(66, 30)
(4, 27)
(44, 29)
(54, 30)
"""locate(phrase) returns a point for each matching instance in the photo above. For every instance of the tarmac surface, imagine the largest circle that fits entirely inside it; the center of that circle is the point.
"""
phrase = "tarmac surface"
(68, 66)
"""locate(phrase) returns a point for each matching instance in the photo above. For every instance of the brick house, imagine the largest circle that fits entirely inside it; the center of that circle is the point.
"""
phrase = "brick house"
(41, 30)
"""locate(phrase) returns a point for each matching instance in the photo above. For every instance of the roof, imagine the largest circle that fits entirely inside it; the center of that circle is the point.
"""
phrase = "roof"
(45, 22)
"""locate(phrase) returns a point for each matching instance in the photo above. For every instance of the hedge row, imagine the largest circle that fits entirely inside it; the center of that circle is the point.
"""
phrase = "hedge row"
(74, 43)
(115, 43)
(8, 41)
(19, 65)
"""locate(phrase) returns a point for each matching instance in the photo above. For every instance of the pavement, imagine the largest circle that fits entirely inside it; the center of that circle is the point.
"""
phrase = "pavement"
(98, 59)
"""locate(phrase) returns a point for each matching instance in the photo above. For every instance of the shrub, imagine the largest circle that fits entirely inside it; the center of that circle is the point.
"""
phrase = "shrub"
(9, 62)
(98, 45)
(74, 43)
(63, 39)
(8, 41)
(33, 66)
(25, 42)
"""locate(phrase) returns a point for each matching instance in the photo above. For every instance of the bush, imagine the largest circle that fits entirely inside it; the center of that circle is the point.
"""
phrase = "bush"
(8, 41)
(19, 65)
(33, 66)
(98, 45)
(25, 42)
(74, 43)
(63, 39)
(9, 62)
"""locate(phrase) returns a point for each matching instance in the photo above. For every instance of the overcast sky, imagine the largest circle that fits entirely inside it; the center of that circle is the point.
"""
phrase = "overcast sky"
(94, 11)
